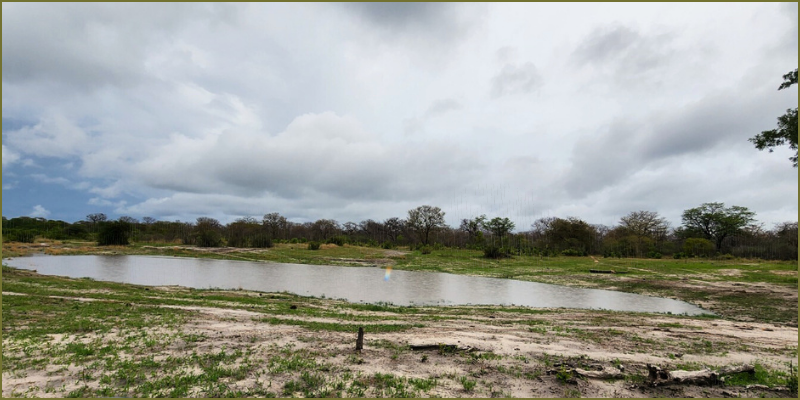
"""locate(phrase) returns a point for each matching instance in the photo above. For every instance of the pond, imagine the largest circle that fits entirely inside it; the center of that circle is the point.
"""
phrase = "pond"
(354, 284)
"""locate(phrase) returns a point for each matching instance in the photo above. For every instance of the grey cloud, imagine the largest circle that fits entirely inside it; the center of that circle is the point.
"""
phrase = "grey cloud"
(606, 44)
(440, 107)
(513, 79)
(317, 154)
(624, 53)
(436, 109)
(404, 16)
(630, 145)
(88, 45)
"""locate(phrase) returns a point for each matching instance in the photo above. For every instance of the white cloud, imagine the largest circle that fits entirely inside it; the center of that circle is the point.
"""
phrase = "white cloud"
(39, 212)
(9, 157)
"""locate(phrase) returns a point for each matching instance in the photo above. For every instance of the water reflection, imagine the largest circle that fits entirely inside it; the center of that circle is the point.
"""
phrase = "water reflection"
(355, 284)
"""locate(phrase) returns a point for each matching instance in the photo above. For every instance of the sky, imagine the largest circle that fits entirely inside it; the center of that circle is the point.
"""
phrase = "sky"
(356, 111)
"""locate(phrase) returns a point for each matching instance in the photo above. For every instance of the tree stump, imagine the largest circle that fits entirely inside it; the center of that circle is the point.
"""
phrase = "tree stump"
(360, 339)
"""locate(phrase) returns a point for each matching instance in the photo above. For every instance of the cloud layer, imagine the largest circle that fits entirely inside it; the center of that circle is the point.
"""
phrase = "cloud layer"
(356, 111)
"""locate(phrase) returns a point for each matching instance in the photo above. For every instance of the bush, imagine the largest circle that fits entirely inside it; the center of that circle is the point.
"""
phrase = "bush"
(313, 245)
(678, 255)
(114, 234)
(23, 236)
(492, 252)
(387, 245)
(653, 254)
(425, 250)
(208, 239)
(261, 241)
(573, 253)
(337, 240)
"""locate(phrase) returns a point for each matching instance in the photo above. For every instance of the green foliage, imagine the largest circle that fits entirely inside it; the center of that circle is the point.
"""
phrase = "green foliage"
(653, 254)
(206, 232)
(787, 126)
(698, 247)
(573, 253)
(337, 240)
(426, 249)
(468, 384)
(496, 252)
(313, 245)
(115, 233)
(425, 219)
(499, 227)
(22, 236)
(387, 245)
(716, 222)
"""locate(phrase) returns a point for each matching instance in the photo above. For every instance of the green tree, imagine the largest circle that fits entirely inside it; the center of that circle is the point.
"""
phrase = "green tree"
(206, 232)
(646, 227)
(694, 247)
(114, 233)
(716, 222)
(499, 227)
(787, 126)
(425, 219)
(473, 227)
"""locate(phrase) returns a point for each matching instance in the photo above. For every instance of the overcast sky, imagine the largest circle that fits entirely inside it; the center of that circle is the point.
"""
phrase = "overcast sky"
(357, 111)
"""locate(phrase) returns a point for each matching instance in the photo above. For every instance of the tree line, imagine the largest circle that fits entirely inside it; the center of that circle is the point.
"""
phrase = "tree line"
(709, 230)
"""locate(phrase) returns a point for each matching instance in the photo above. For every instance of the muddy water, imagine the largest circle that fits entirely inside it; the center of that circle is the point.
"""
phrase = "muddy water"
(354, 284)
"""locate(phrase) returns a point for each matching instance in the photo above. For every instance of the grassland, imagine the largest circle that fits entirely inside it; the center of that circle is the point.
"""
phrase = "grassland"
(84, 338)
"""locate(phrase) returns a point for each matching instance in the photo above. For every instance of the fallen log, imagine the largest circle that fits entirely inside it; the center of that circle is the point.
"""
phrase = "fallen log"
(705, 376)
(448, 348)
(606, 373)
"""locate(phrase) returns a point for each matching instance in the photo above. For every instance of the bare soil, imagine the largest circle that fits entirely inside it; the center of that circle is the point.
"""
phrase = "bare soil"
(524, 361)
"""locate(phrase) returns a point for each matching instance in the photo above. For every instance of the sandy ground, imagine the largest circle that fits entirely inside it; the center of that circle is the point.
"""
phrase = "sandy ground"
(523, 364)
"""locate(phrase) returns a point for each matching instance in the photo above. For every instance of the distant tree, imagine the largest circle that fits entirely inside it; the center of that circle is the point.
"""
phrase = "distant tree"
(499, 227)
(128, 219)
(323, 229)
(698, 247)
(646, 227)
(149, 220)
(277, 225)
(473, 227)
(95, 219)
(716, 222)
(394, 228)
(787, 126)
(425, 219)
(206, 232)
(114, 233)
(570, 234)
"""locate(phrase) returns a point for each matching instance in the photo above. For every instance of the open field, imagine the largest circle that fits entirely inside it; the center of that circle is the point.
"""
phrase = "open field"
(80, 337)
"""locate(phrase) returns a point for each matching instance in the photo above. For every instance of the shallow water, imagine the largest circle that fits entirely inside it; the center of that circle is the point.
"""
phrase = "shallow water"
(354, 284)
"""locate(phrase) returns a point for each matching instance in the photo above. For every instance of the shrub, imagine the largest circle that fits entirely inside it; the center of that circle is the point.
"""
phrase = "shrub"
(425, 250)
(573, 253)
(261, 241)
(496, 252)
(313, 245)
(678, 255)
(387, 245)
(653, 254)
(337, 240)
(114, 233)
(24, 236)
(208, 238)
